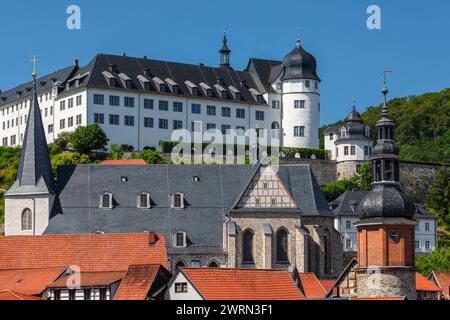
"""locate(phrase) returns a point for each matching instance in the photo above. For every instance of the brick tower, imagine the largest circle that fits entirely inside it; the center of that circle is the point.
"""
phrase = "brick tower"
(386, 258)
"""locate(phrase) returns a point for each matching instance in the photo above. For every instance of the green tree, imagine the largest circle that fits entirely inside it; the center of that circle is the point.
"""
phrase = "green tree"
(438, 197)
(363, 179)
(150, 156)
(116, 152)
(68, 158)
(438, 261)
(62, 140)
(335, 189)
(86, 139)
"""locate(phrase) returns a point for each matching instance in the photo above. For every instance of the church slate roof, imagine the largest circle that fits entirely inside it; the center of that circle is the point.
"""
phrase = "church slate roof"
(34, 175)
(207, 201)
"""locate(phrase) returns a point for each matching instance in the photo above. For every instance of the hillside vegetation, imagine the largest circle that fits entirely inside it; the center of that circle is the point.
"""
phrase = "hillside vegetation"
(423, 125)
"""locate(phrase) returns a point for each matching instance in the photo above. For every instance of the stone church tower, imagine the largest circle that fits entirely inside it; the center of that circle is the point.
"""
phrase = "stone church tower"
(29, 202)
(386, 258)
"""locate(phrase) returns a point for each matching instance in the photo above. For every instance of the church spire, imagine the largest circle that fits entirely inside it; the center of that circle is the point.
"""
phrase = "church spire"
(35, 172)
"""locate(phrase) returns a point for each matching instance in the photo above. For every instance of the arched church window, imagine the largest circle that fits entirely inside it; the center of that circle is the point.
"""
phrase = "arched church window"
(213, 264)
(247, 247)
(27, 220)
(282, 246)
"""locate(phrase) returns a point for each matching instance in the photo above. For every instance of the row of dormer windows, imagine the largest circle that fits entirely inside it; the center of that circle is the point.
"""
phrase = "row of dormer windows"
(143, 201)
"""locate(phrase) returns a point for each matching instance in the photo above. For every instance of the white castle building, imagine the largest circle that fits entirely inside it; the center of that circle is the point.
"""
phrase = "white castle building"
(350, 141)
(139, 101)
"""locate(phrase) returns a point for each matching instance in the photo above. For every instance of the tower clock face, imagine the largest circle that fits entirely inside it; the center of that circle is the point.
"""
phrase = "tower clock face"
(394, 236)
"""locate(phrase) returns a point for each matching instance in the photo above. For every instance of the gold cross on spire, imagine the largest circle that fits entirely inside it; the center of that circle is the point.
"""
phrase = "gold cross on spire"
(34, 61)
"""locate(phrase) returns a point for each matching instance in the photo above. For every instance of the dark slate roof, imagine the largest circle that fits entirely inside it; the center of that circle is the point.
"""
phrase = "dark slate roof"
(356, 129)
(344, 202)
(43, 84)
(266, 71)
(206, 202)
(35, 173)
(299, 64)
(92, 76)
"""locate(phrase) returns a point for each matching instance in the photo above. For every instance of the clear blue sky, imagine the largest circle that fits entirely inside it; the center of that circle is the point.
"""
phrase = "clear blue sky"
(414, 40)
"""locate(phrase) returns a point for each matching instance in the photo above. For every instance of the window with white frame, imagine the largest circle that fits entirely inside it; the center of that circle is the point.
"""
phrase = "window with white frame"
(427, 245)
(178, 201)
(348, 243)
(106, 200)
(417, 244)
(143, 200)
(99, 99)
(180, 239)
(348, 224)
(299, 131)
(299, 104)
(427, 226)
(27, 220)
(181, 287)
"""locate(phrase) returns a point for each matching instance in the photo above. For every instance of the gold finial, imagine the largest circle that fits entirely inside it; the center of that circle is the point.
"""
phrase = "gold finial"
(34, 61)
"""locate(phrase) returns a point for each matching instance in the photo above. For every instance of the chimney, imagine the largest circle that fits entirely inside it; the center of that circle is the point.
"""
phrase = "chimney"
(145, 57)
(75, 62)
(124, 54)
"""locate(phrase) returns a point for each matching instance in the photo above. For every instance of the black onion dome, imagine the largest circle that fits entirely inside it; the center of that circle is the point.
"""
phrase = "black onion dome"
(299, 64)
(354, 116)
(387, 201)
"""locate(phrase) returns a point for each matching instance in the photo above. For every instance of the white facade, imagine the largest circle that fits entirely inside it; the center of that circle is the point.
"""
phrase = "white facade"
(300, 113)
(425, 235)
(348, 149)
(189, 292)
(64, 113)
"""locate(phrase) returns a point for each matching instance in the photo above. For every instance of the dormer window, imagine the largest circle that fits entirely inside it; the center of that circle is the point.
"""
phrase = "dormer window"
(343, 133)
(178, 201)
(106, 201)
(143, 201)
(128, 84)
(195, 179)
(180, 239)
(123, 179)
(209, 93)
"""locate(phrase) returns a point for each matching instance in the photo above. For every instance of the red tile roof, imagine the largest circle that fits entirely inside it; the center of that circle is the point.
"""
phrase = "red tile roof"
(443, 280)
(423, 284)
(92, 252)
(379, 298)
(28, 281)
(11, 295)
(137, 282)
(327, 284)
(124, 162)
(312, 287)
(243, 284)
(90, 279)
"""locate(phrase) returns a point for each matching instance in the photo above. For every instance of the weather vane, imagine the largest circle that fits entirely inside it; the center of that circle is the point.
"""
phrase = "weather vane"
(386, 74)
(34, 61)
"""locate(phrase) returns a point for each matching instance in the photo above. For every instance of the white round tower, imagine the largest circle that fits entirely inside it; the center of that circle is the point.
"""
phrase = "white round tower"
(300, 91)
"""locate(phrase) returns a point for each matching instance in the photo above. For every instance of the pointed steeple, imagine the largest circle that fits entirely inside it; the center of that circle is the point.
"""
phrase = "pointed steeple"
(35, 172)
(225, 52)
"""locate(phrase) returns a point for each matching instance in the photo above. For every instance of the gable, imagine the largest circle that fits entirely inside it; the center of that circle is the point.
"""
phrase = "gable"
(266, 190)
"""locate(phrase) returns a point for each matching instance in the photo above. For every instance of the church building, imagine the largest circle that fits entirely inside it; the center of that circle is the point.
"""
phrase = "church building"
(238, 216)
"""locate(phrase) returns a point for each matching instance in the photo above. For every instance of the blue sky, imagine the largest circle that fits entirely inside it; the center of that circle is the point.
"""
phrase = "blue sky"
(413, 42)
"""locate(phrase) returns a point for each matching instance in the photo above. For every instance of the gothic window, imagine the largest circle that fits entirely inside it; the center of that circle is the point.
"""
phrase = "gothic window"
(106, 201)
(282, 246)
(144, 201)
(178, 201)
(213, 264)
(247, 247)
(27, 220)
